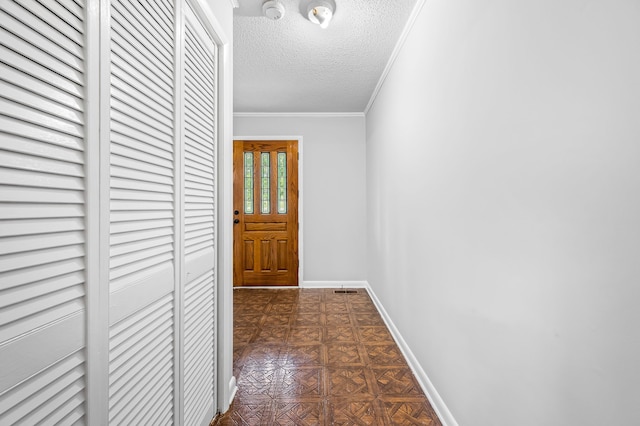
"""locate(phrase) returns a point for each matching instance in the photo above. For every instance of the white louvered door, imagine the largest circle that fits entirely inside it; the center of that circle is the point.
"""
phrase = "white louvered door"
(200, 91)
(108, 225)
(42, 212)
(142, 261)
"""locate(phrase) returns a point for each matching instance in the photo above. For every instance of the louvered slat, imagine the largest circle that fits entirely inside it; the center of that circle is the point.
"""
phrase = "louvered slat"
(42, 212)
(66, 23)
(62, 380)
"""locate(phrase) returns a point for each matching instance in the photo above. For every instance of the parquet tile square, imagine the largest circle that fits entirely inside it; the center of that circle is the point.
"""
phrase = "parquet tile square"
(396, 381)
(309, 308)
(385, 354)
(257, 382)
(368, 318)
(263, 356)
(299, 413)
(374, 334)
(338, 318)
(409, 412)
(276, 320)
(344, 354)
(243, 335)
(301, 381)
(306, 335)
(362, 307)
(341, 334)
(281, 308)
(335, 297)
(353, 412)
(305, 355)
(348, 382)
(302, 319)
(272, 335)
(306, 297)
(340, 308)
(315, 357)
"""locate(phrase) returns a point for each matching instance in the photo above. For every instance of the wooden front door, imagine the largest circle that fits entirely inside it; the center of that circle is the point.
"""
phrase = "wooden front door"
(265, 204)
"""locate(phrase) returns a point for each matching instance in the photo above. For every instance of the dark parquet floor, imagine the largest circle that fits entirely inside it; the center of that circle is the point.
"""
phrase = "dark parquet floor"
(314, 357)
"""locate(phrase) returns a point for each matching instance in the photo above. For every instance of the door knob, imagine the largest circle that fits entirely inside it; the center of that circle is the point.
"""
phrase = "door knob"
(236, 220)
(236, 212)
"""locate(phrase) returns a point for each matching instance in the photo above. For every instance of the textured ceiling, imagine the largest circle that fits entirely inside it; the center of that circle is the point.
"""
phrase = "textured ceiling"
(293, 65)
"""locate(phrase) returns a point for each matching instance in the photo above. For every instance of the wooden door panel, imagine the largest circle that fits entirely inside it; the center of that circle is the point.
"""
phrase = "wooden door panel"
(266, 232)
(248, 255)
(282, 255)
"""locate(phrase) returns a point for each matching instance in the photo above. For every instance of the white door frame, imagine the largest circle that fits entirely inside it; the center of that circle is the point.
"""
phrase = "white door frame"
(224, 262)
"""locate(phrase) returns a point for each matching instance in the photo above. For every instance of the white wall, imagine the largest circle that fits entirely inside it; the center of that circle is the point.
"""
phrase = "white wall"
(334, 206)
(223, 11)
(502, 186)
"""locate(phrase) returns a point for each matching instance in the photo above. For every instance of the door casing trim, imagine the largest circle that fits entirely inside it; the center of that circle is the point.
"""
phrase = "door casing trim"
(275, 138)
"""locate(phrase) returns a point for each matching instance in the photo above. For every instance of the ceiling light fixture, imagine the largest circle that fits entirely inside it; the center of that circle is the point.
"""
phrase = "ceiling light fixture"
(321, 11)
(273, 9)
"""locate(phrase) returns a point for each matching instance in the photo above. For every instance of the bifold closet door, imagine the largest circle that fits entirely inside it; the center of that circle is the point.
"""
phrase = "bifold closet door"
(42, 212)
(142, 212)
(200, 222)
(161, 213)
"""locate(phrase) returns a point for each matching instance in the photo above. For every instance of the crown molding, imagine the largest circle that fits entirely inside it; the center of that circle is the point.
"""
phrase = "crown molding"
(298, 114)
(396, 51)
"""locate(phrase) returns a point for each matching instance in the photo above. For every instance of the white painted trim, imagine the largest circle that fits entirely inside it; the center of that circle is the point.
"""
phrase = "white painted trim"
(95, 343)
(430, 391)
(40, 348)
(300, 193)
(225, 225)
(224, 263)
(179, 274)
(235, 4)
(233, 389)
(335, 284)
(97, 102)
(298, 114)
(396, 51)
(209, 20)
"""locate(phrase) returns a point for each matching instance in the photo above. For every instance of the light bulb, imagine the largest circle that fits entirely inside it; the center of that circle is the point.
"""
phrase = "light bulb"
(321, 13)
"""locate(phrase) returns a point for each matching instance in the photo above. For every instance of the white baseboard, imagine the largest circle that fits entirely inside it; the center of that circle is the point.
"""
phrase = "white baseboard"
(334, 284)
(233, 388)
(436, 401)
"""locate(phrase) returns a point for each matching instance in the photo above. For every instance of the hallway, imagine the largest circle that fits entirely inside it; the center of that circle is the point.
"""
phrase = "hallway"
(313, 357)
